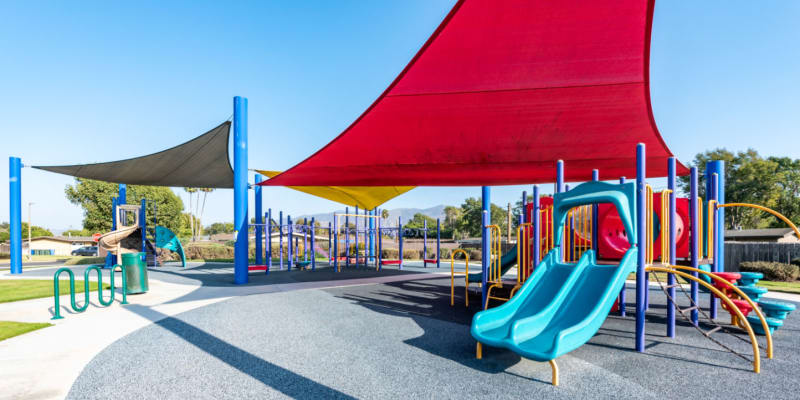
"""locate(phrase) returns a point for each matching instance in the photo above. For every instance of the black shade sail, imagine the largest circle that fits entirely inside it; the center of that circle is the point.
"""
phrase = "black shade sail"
(200, 162)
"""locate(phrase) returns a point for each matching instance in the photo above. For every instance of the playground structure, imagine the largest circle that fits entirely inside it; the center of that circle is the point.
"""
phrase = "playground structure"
(559, 302)
(291, 252)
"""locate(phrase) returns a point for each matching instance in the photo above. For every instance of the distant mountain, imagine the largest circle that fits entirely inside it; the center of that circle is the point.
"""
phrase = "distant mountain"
(404, 213)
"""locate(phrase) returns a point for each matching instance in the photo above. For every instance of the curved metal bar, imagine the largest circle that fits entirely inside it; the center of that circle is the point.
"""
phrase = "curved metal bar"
(741, 295)
(728, 302)
(554, 367)
(765, 209)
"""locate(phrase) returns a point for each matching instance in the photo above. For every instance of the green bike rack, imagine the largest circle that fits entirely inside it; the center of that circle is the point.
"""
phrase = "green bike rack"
(79, 309)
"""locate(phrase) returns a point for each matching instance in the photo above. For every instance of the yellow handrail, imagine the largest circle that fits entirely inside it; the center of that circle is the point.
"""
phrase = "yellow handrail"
(700, 247)
(665, 222)
(523, 255)
(711, 226)
(648, 224)
(495, 277)
(728, 302)
(769, 210)
(739, 293)
(453, 274)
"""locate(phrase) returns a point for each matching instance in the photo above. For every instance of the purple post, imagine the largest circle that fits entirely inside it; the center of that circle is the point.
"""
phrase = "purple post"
(524, 211)
(280, 238)
(269, 239)
(672, 246)
(641, 283)
(537, 226)
(291, 243)
(693, 237)
(400, 238)
(424, 242)
(622, 294)
(712, 303)
(335, 244)
(595, 208)
(560, 176)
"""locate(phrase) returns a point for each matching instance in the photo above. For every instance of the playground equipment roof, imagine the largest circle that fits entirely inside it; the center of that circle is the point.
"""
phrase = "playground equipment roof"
(366, 197)
(499, 93)
(176, 167)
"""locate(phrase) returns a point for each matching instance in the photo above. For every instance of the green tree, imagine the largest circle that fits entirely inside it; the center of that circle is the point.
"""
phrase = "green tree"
(219, 227)
(418, 222)
(772, 182)
(36, 231)
(471, 215)
(95, 199)
(77, 232)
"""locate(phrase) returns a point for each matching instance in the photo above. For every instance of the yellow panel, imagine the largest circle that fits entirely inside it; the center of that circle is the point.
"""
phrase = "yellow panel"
(367, 197)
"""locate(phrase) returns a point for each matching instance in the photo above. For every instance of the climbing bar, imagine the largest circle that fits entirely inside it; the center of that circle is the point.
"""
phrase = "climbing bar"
(745, 324)
(523, 255)
(495, 277)
(665, 221)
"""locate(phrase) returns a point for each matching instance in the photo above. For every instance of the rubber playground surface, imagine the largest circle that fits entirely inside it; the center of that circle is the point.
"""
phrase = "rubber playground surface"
(393, 334)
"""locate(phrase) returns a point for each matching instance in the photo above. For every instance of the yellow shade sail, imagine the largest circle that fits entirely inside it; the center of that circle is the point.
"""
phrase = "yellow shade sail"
(366, 197)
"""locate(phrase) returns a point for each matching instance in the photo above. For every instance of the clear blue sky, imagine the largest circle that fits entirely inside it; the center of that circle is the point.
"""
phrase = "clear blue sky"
(99, 81)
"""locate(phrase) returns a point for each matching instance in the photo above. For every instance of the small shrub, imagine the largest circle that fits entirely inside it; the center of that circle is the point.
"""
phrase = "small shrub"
(445, 254)
(795, 261)
(389, 254)
(773, 271)
(475, 255)
(5, 256)
(411, 254)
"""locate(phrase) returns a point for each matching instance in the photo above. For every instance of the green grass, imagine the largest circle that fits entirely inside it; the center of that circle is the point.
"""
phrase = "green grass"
(9, 329)
(84, 260)
(26, 289)
(787, 287)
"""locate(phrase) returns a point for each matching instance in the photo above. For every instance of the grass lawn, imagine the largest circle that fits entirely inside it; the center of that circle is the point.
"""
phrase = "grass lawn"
(9, 329)
(25, 289)
(788, 287)
(84, 260)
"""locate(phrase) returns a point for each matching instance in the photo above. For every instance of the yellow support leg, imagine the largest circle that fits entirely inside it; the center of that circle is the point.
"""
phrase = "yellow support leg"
(479, 351)
(554, 367)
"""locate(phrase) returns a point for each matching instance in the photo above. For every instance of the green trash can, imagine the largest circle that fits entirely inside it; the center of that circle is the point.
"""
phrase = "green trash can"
(135, 273)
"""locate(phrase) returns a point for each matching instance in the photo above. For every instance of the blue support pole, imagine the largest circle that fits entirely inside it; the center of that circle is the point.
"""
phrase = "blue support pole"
(641, 284)
(537, 226)
(524, 211)
(110, 259)
(718, 167)
(400, 239)
(355, 231)
(622, 293)
(313, 246)
(560, 176)
(672, 245)
(240, 221)
(694, 245)
(595, 215)
(485, 221)
(335, 246)
(269, 239)
(372, 235)
(346, 236)
(143, 224)
(712, 218)
(424, 242)
(123, 194)
(291, 242)
(280, 238)
(330, 242)
(15, 213)
(438, 243)
(259, 222)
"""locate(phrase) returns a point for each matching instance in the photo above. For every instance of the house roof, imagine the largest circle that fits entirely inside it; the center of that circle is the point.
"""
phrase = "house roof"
(65, 238)
(762, 233)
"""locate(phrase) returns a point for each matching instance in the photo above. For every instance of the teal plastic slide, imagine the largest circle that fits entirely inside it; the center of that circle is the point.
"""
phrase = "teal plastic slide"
(561, 305)
(166, 239)
(506, 262)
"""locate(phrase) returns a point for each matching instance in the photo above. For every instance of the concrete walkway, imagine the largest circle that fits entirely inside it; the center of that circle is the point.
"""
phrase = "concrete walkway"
(64, 349)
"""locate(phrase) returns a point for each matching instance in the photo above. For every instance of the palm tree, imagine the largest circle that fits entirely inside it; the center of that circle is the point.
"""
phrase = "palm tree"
(384, 214)
(191, 192)
(205, 191)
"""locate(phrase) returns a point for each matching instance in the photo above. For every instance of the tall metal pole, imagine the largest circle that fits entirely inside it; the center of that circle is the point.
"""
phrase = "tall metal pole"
(672, 246)
(240, 221)
(290, 255)
(400, 238)
(718, 167)
(622, 293)
(259, 222)
(641, 284)
(560, 176)
(280, 238)
(714, 222)
(313, 246)
(537, 226)
(595, 215)
(524, 211)
(694, 243)
(424, 242)
(438, 243)
(269, 239)
(15, 213)
(485, 221)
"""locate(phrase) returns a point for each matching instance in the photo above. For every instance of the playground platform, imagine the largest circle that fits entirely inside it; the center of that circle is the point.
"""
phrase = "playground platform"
(376, 335)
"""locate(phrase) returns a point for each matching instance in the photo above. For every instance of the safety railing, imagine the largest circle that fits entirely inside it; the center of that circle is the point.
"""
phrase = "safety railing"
(523, 255)
(494, 279)
(546, 224)
(453, 274)
(577, 233)
(87, 291)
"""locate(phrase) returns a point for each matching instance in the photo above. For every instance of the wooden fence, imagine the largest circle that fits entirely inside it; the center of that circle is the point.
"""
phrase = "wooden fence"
(736, 252)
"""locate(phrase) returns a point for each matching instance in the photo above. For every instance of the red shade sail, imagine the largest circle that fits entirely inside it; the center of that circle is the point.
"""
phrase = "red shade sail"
(499, 93)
